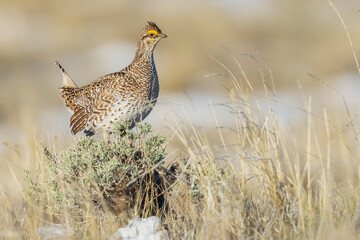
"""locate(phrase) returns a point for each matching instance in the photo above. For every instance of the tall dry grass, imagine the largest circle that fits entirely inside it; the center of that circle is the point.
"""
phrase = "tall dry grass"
(271, 183)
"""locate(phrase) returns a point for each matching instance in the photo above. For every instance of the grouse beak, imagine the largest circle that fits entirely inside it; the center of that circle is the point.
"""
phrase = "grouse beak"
(162, 35)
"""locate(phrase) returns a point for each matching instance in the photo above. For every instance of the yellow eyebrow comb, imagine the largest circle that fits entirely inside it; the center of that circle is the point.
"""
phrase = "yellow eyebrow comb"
(153, 31)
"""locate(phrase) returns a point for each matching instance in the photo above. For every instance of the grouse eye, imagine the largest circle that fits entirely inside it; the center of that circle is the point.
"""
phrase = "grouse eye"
(152, 33)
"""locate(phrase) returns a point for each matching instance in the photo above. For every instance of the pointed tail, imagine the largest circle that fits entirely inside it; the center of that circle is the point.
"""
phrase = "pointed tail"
(67, 81)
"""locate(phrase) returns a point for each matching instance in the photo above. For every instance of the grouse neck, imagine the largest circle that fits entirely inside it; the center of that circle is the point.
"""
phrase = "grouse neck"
(143, 53)
(143, 61)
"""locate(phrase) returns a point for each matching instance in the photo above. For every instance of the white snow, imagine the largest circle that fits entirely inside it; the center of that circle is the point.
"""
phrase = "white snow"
(141, 229)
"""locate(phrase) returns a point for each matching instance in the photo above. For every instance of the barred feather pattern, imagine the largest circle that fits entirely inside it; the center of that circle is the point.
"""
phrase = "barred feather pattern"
(129, 94)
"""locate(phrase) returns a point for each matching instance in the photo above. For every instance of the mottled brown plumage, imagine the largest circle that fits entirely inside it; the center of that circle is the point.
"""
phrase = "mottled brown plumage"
(129, 94)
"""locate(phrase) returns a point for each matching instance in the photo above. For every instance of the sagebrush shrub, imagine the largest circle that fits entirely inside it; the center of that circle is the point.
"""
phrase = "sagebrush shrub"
(113, 177)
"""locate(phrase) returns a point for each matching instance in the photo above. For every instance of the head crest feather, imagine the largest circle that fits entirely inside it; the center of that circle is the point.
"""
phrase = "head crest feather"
(152, 26)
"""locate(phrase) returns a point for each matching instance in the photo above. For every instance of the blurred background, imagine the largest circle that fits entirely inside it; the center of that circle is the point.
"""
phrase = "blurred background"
(294, 38)
(297, 49)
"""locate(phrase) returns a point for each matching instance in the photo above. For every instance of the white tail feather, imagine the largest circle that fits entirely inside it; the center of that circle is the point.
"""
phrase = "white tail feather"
(67, 81)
